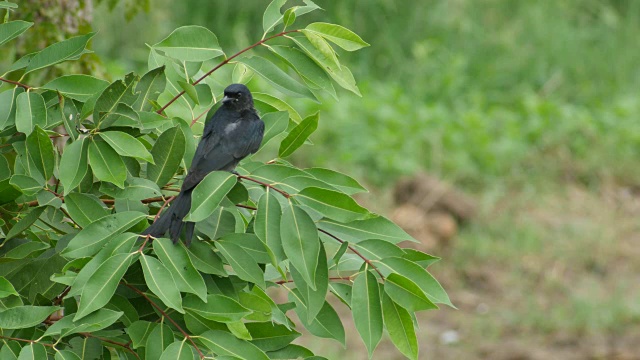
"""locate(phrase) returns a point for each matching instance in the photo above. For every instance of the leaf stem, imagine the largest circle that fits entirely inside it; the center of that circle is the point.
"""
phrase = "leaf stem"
(26, 340)
(123, 345)
(163, 313)
(224, 62)
(282, 192)
(24, 86)
(354, 251)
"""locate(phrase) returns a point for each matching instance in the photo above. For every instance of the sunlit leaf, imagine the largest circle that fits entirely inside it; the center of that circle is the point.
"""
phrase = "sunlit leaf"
(30, 111)
(106, 163)
(300, 242)
(339, 35)
(126, 145)
(367, 311)
(78, 87)
(12, 29)
(298, 135)
(59, 52)
(277, 77)
(190, 43)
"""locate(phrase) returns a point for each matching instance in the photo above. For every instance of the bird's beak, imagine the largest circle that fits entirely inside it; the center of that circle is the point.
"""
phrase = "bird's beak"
(226, 100)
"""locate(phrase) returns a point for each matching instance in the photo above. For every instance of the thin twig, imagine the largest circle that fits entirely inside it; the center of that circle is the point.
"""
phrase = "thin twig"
(163, 313)
(282, 192)
(123, 345)
(26, 340)
(345, 278)
(354, 251)
(224, 62)
(25, 86)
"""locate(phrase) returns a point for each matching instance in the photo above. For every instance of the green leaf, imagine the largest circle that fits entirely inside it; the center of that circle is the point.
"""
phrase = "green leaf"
(40, 151)
(277, 77)
(242, 262)
(241, 75)
(418, 275)
(167, 154)
(12, 29)
(25, 222)
(160, 338)
(342, 291)
(74, 164)
(274, 123)
(8, 101)
(208, 194)
(338, 35)
(224, 344)
(179, 350)
(217, 308)
(273, 173)
(300, 242)
(205, 259)
(176, 259)
(374, 228)
(10, 350)
(33, 351)
(139, 332)
(86, 348)
(190, 43)
(343, 182)
(220, 223)
(298, 135)
(314, 299)
(400, 327)
(30, 111)
(418, 257)
(267, 226)
(332, 204)
(295, 184)
(6, 288)
(126, 145)
(122, 115)
(23, 250)
(97, 321)
(84, 209)
(102, 284)
(119, 92)
(136, 189)
(289, 17)
(291, 351)
(305, 67)
(190, 90)
(59, 52)
(66, 355)
(78, 87)
(272, 15)
(89, 241)
(375, 249)
(150, 87)
(367, 312)
(269, 336)
(326, 325)
(159, 280)
(106, 163)
(406, 293)
(277, 104)
(22, 317)
(26, 184)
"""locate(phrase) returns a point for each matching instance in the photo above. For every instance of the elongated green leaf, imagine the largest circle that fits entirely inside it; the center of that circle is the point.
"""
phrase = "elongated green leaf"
(59, 52)
(150, 87)
(167, 153)
(139, 332)
(176, 259)
(78, 87)
(277, 77)
(406, 293)
(12, 29)
(419, 257)
(40, 151)
(300, 242)
(26, 184)
(102, 284)
(298, 135)
(217, 308)
(269, 336)
(375, 228)
(74, 164)
(418, 275)
(120, 91)
(190, 43)
(242, 262)
(121, 115)
(291, 351)
(375, 249)
(135, 189)
(22, 317)
(272, 15)
(205, 259)
(126, 145)
(343, 182)
(6, 288)
(295, 184)
(305, 67)
(30, 111)
(314, 299)
(179, 350)
(33, 351)
(367, 311)
(267, 226)
(332, 204)
(106, 163)
(25, 222)
(338, 35)
(70, 117)
(159, 280)
(8, 103)
(208, 194)
(327, 324)
(274, 123)
(159, 339)
(274, 173)
(10, 350)
(277, 104)
(94, 322)
(89, 241)
(225, 344)
(400, 327)
(66, 355)
(23, 250)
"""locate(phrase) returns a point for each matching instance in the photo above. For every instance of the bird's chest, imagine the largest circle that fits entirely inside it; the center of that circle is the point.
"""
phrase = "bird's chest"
(231, 128)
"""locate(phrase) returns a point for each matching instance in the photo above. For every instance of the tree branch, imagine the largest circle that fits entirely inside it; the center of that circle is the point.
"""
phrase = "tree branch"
(354, 251)
(123, 345)
(24, 86)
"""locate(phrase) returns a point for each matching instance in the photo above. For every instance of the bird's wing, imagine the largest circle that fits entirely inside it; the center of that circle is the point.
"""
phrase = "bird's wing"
(250, 139)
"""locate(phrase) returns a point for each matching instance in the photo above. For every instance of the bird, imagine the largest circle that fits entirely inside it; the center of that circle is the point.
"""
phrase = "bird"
(233, 132)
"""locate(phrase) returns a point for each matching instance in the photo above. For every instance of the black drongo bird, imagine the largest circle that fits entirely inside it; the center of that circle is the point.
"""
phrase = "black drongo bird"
(234, 131)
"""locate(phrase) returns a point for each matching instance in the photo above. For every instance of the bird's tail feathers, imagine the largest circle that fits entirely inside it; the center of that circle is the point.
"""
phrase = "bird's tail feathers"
(171, 219)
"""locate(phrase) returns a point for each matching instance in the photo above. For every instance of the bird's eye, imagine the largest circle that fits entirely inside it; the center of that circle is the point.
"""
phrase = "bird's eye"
(239, 95)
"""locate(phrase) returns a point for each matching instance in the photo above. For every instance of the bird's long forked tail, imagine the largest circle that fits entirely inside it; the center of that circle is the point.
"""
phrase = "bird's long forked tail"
(171, 220)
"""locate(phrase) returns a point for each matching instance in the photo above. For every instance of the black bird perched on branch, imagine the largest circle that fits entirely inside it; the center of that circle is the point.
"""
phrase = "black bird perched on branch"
(234, 131)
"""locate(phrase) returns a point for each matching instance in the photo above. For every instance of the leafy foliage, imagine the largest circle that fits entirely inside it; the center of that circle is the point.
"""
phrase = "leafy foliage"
(78, 280)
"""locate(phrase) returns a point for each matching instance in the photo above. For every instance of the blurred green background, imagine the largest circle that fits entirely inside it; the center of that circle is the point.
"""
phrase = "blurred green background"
(530, 107)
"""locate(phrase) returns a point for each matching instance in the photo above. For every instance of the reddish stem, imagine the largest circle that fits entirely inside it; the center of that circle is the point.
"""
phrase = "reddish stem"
(224, 62)
(346, 278)
(123, 345)
(354, 251)
(282, 192)
(26, 340)
(24, 86)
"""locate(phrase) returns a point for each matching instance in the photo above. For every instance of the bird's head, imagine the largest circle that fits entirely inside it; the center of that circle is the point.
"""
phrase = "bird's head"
(237, 97)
